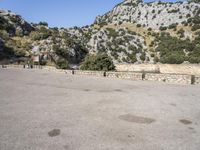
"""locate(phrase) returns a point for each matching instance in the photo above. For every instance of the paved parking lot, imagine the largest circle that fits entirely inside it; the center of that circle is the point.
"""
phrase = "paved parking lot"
(42, 110)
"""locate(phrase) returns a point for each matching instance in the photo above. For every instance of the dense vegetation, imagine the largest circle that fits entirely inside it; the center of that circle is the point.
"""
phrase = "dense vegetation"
(175, 51)
(62, 63)
(99, 62)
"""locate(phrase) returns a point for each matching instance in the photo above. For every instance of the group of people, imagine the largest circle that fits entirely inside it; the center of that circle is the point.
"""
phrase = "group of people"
(3, 66)
(28, 66)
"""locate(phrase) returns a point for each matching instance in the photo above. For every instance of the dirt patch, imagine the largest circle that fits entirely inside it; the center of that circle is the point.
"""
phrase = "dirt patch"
(87, 90)
(191, 128)
(54, 132)
(118, 90)
(137, 119)
(172, 104)
(66, 147)
(186, 122)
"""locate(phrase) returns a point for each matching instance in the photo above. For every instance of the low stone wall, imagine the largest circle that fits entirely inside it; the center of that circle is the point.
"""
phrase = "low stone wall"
(169, 78)
(197, 80)
(48, 68)
(190, 69)
(53, 69)
(91, 73)
(11, 66)
(125, 75)
(162, 77)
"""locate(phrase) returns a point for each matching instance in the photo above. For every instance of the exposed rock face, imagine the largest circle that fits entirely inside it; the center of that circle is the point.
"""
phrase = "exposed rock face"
(64, 43)
(151, 15)
(14, 24)
(119, 44)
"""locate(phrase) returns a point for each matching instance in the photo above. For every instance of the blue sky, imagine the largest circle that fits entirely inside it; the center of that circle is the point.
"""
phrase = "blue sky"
(60, 13)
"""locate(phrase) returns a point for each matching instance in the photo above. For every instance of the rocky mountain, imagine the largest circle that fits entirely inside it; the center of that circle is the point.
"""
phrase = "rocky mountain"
(156, 24)
(132, 32)
(150, 15)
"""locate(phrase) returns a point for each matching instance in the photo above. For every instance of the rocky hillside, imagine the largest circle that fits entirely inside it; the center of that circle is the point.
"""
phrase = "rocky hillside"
(150, 15)
(14, 24)
(132, 32)
(20, 40)
(167, 31)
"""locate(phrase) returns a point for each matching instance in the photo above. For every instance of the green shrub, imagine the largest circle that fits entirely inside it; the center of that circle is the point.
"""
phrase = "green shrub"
(138, 25)
(156, 59)
(162, 28)
(99, 62)
(120, 23)
(173, 58)
(42, 23)
(181, 33)
(172, 26)
(143, 56)
(112, 32)
(101, 24)
(133, 49)
(188, 16)
(114, 54)
(35, 36)
(194, 56)
(61, 63)
(194, 59)
(172, 50)
(195, 27)
(4, 35)
(61, 52)
(152, 55)
(132, 58)
(149, 33)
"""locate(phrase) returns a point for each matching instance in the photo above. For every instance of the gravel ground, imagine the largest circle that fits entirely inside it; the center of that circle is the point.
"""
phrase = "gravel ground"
(41, 110)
